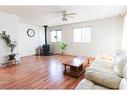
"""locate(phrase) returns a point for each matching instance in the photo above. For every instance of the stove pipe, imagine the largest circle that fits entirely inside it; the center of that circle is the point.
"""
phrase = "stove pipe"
(45, 28)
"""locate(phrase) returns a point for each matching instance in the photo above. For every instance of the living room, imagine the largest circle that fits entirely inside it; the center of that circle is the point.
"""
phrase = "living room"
(88, 33)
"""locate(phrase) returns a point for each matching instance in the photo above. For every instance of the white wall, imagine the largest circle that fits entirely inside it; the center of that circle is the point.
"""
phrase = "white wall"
(28, 45)
(106, 37)
(8, 23)
(17, 29)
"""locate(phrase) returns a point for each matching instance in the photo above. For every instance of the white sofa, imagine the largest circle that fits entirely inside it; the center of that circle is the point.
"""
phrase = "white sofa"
(105, 75)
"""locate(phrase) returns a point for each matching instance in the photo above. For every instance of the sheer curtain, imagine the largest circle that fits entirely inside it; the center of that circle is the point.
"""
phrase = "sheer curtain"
(124, 38)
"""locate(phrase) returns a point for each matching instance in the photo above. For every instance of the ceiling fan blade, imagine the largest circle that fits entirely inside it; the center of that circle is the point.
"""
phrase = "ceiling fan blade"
(64, 19)
(71, 14)
(65, 15)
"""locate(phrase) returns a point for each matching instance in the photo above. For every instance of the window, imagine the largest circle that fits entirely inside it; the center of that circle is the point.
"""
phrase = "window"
(82, 34)
(56, 36)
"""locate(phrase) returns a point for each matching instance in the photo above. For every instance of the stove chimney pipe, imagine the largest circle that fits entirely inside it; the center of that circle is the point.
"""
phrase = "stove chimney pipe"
(45, 28)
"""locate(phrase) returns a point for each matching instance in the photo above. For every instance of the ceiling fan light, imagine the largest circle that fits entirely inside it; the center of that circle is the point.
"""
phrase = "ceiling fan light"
(64, 19)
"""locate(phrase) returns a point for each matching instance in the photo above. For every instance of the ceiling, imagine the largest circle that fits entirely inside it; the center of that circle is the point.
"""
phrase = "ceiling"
(51, 15)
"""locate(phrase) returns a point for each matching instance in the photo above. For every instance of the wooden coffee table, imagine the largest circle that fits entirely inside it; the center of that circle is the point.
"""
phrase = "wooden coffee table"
(76, 66)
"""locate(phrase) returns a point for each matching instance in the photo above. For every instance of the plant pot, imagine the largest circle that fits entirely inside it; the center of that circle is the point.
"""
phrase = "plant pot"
(62, 53)
(11, 56)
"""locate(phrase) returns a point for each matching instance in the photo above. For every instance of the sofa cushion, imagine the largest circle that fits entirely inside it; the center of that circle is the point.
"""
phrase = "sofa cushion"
(104, 58)
(101, 63)
(101, 69)
(108, 80)
(84, 84)
(123, 84)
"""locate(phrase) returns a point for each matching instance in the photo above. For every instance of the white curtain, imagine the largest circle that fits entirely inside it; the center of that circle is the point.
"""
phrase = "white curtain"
(124, 38)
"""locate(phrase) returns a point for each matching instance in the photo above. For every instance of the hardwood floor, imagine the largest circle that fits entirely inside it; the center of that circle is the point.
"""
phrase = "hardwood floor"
(38, 72)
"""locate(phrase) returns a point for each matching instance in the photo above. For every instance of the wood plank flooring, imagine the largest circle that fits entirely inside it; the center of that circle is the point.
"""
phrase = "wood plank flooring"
(38, 72)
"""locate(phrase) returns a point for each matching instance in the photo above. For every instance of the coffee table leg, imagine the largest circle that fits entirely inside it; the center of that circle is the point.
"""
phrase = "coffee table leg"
(65, 67)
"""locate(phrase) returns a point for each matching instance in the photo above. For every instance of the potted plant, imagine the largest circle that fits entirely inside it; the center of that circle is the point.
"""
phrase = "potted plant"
(12, 47)
(10, 44)
(62, 46)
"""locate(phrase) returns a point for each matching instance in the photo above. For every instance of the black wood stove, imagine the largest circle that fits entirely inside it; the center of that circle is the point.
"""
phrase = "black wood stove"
(46, 47)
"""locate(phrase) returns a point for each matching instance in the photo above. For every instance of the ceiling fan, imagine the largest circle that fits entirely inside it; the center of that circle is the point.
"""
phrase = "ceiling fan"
(66, 15)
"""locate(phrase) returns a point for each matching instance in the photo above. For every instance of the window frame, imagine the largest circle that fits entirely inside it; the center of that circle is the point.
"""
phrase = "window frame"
(56, 35)
(81, 33)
